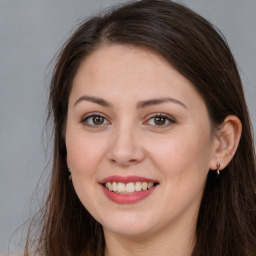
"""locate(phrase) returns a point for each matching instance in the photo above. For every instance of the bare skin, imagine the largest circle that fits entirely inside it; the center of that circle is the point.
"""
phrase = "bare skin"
(132, 114)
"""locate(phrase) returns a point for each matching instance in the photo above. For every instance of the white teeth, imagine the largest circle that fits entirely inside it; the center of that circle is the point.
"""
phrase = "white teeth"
(114, 187)
(109, 185)
(150, 185)
(120, 187)
(144, 185)
(128, 188)
(138, 186)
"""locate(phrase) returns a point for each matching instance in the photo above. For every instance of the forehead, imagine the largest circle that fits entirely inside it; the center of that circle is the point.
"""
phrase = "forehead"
(118, 59)
(129, 71)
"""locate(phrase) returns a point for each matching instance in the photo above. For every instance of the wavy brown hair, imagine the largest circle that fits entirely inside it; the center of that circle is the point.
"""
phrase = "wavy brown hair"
(227, 218)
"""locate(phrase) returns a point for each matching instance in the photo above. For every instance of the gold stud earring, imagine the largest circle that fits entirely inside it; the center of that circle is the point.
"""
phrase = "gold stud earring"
(70, 175)
(218, 168)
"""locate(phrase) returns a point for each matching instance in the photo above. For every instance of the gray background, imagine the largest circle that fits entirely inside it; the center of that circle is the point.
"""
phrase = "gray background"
(31, 31)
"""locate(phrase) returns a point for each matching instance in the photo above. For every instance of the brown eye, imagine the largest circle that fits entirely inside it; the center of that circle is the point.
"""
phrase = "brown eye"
(94, 120)
(160, 120)
(98, 120)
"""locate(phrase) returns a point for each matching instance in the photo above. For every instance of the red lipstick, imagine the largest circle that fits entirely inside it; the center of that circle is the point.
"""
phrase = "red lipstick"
(126, 179)
(128, 198)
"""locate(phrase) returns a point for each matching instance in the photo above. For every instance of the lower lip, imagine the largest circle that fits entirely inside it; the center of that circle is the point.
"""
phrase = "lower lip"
(127, 198)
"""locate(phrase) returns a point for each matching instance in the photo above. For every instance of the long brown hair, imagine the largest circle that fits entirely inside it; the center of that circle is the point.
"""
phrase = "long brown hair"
(227, 218)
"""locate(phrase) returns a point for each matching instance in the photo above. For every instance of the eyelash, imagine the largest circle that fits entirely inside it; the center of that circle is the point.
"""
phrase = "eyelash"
(93, 115)
(164, 118)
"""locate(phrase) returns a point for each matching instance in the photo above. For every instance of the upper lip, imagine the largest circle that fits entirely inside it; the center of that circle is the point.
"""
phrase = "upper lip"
(127, 179)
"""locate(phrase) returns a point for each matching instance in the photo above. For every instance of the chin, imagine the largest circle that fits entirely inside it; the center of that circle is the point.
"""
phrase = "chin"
(132, 227)
(132, 232)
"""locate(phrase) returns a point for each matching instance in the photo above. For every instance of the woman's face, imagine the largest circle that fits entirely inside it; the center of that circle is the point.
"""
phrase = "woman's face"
(138, 127)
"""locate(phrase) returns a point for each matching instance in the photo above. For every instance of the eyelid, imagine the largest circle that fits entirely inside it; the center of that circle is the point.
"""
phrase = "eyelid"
(168, 117)
(93, 114)
(171, 119)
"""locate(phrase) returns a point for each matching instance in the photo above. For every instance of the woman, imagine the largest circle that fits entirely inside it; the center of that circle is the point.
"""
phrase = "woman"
(153, 151)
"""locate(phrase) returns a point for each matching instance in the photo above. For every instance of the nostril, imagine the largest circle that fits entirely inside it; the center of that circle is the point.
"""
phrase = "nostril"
(132, 160)
(123, 162)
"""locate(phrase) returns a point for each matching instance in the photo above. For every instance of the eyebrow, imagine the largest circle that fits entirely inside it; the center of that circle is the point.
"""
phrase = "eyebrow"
(141, 104)
(93, 99)
(147, 103)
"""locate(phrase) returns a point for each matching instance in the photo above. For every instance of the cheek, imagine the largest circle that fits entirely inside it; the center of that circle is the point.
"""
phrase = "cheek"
(183, 153)
(84, 155)
(84, 152)
(183, 163)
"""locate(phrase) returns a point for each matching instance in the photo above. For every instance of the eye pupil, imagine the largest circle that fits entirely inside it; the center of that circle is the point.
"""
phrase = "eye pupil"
(98, 120)
(160, 120)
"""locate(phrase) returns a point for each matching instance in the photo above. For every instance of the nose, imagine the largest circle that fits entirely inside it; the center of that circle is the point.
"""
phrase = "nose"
(125, 148)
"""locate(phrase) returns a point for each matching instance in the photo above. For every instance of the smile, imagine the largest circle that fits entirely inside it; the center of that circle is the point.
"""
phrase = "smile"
(131, 187)
(128, 190)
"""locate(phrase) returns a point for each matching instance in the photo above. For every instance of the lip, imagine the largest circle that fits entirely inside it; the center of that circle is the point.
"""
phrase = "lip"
(127, 198)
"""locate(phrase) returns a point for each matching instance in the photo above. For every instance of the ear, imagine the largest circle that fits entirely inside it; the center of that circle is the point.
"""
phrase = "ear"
(226, 141)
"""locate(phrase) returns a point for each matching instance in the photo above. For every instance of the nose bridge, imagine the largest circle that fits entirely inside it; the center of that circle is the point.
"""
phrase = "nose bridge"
(125, 148)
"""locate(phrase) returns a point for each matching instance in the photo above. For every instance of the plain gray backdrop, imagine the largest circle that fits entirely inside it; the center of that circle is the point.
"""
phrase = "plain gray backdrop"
(31, 32)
